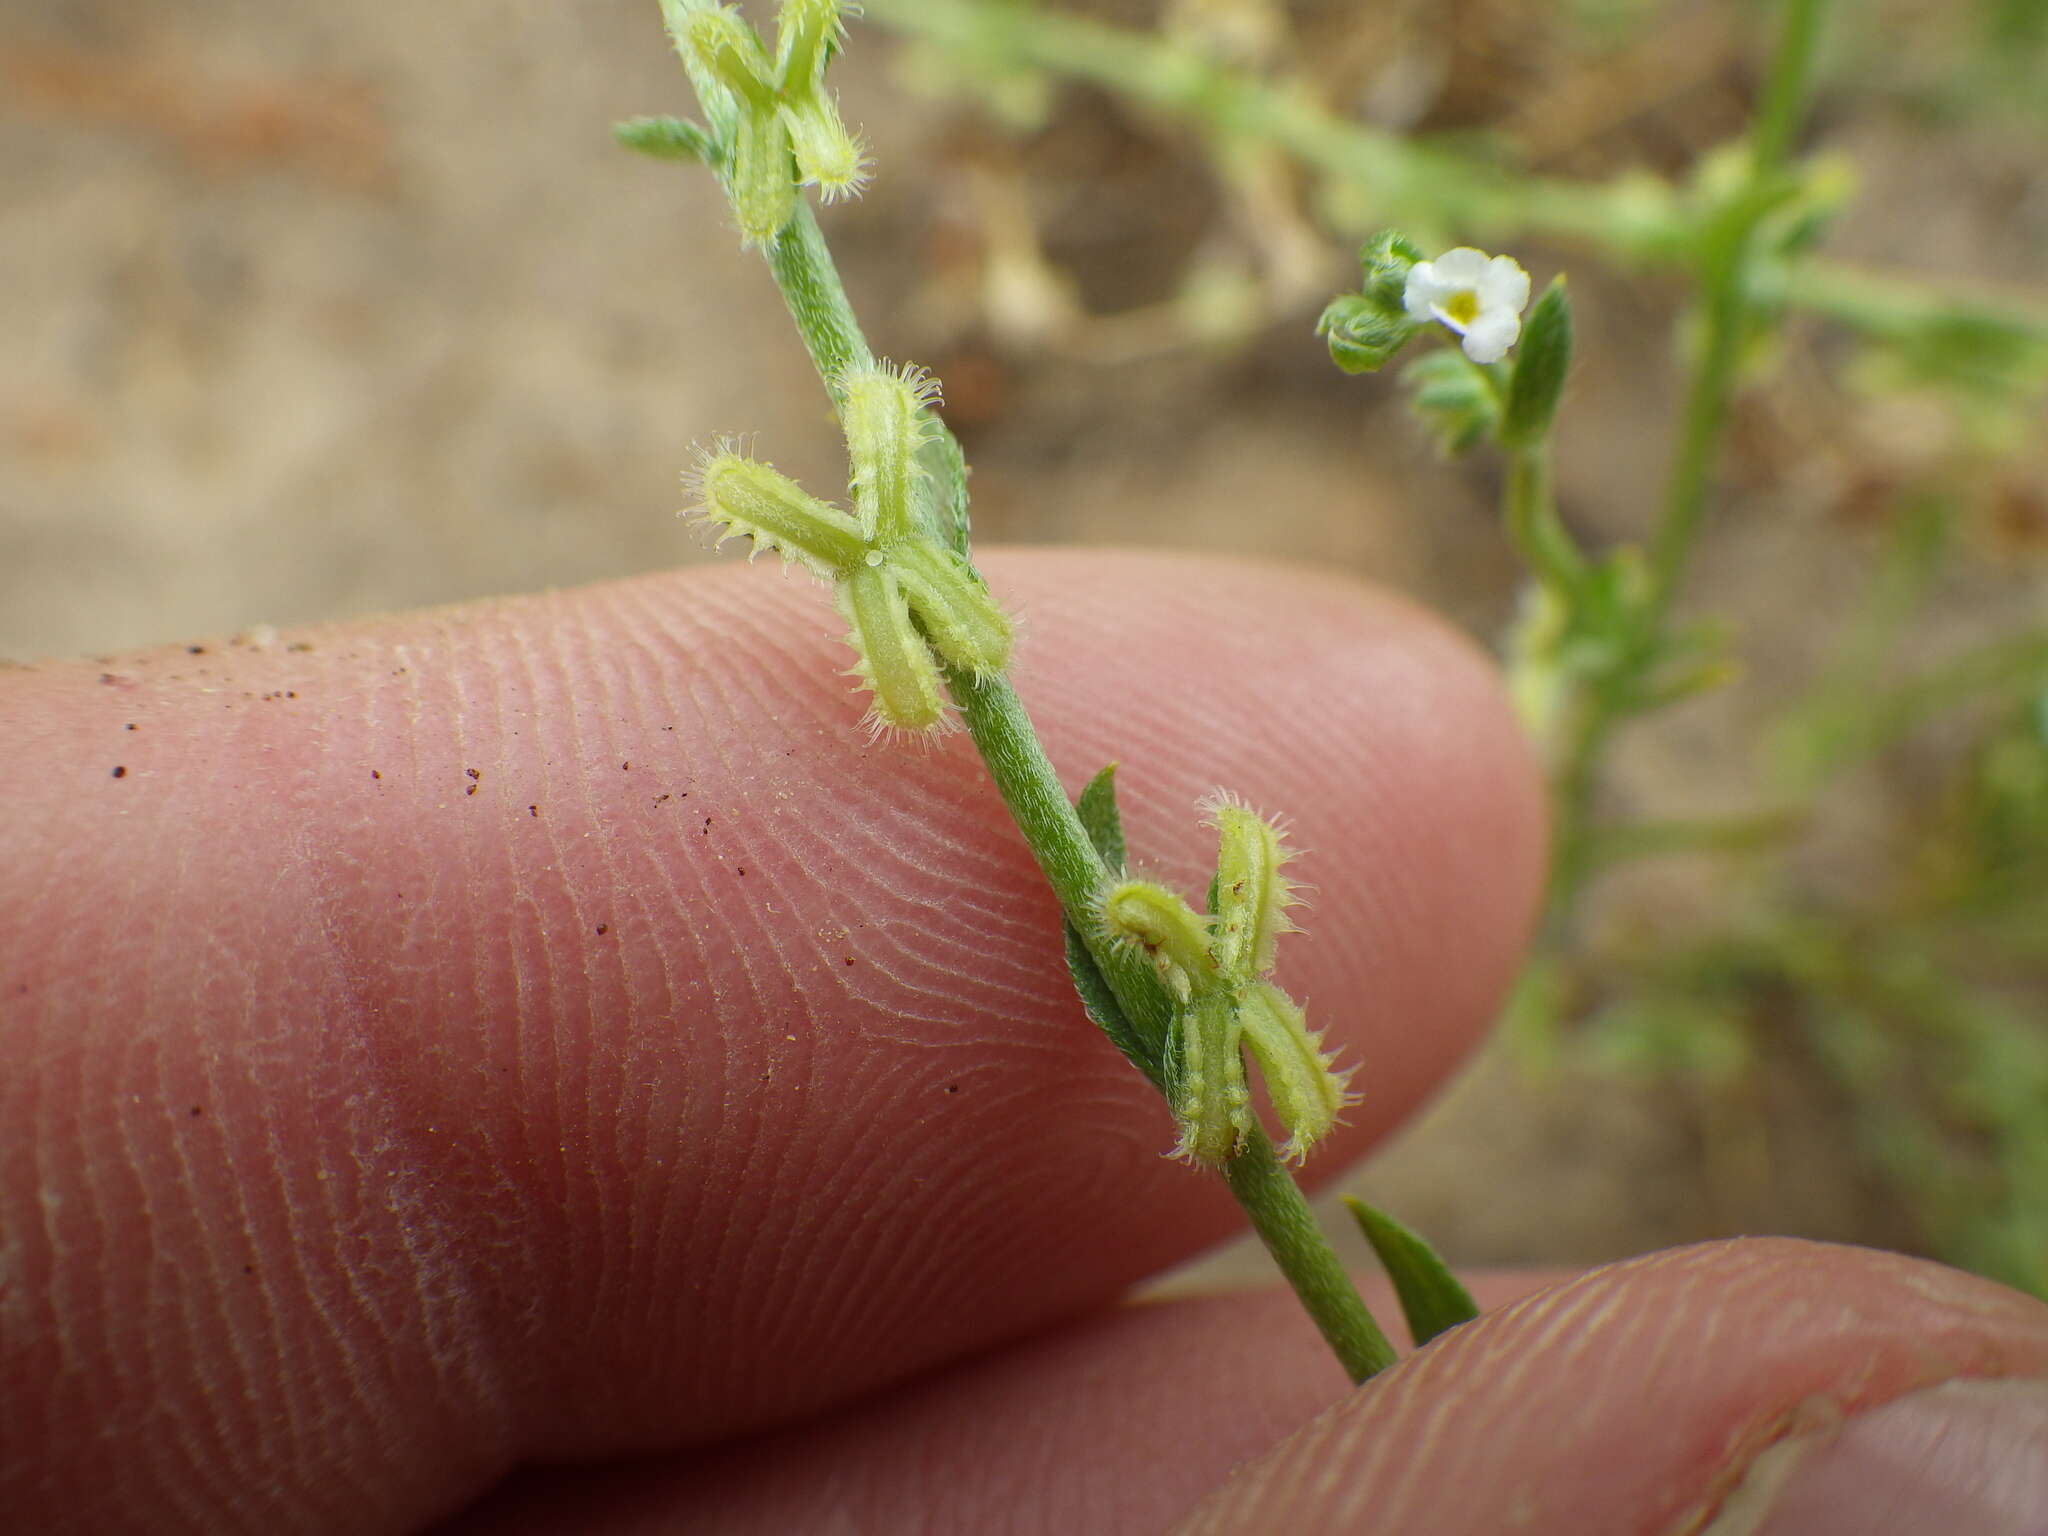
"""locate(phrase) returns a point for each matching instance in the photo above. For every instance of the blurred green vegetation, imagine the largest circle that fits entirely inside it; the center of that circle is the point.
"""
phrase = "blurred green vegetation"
(1879, 913)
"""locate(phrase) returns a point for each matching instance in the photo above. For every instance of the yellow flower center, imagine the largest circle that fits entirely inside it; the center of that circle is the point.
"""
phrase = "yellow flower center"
(1463, 306)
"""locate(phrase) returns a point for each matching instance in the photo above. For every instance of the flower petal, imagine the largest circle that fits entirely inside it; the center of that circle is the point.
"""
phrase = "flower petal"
(1505, 284)
(1424, 291)
(1462, 268)
(1488, 338)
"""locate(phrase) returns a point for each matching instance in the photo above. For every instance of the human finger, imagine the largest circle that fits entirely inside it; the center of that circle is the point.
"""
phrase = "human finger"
(550, 1028)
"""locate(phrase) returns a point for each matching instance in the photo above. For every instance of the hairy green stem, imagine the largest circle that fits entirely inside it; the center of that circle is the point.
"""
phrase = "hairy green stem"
(1016, 762)
(1288, 1228)
(810, 286)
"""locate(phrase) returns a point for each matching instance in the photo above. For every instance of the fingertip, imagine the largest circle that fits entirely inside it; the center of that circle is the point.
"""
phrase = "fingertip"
(1634, 1397)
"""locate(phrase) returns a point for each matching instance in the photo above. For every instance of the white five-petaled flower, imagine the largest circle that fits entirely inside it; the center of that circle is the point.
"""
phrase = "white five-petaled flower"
(1479, 297)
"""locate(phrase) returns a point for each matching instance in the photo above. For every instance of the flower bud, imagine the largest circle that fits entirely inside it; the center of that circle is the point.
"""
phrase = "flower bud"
(1252, 892)
(893, 662)
(720, 42)
(807, 33)
(1301, 1080)
(1205, 1080)
(1386, 261)
(828, 157)
(884, 413)
(753, 501)
(762, 185)
(960, 618)
(1363, 336)
(1150, 917)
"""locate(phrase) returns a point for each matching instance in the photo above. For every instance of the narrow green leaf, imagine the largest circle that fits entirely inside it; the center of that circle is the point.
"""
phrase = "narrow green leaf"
(1102, 1005)
(1431, 1298)
(941, 492)
(1104, 825)
(1101, 820)
(1544, 357)
(667, 138)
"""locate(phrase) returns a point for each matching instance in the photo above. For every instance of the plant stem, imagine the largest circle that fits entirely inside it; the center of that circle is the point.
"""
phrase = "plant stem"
(1288, 1228)
(1016, 762)
(1724, 261)
(810, 286)
(1786, 92)
(1023, 775)
(1532, 521)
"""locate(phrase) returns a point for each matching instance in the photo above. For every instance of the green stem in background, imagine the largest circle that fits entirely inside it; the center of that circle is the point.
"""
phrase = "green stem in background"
(1016, 762)
(1532, 521)
(1724, 309)
(1786, 92)
(1725, 300)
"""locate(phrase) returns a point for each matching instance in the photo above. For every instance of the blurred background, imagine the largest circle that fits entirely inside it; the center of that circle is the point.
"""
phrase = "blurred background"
(312, 312)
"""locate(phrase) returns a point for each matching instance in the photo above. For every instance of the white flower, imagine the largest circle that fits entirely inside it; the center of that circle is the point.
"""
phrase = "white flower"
(1479, 297)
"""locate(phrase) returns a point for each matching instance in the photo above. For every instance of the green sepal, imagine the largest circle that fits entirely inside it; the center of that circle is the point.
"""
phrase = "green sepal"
(1098, 998)
(1101, 819)
(1450, 398)
(1432, 1300)
(1543, 357)
(668, 138)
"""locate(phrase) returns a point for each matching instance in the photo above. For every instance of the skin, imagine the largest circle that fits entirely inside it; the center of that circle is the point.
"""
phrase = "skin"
(548, 1033)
